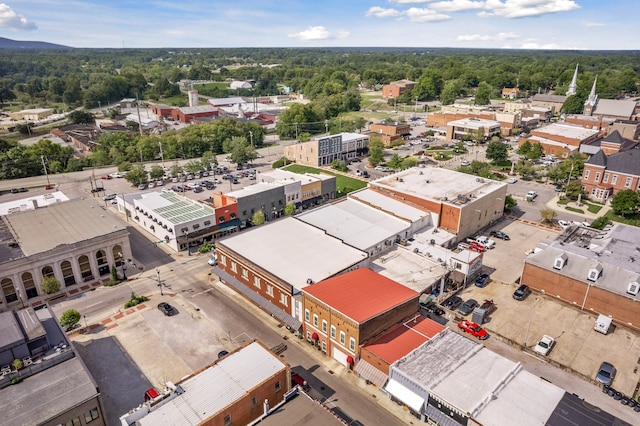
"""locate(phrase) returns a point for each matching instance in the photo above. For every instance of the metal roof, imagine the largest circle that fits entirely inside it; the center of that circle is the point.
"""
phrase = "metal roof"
(389, 205)
(614, 107)
(170, 207)
(294, 251)
(566, 130)
(217, 387)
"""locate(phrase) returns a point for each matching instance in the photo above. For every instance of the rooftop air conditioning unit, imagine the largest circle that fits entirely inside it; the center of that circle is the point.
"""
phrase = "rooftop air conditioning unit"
(633, 288)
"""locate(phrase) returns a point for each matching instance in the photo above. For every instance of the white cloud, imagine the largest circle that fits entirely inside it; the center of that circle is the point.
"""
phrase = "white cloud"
(592, 24)
(379, 12)
(457, 5)
(318, 33)
(486, 37)
(409, 1)
(10, 19)
(527, 8)
(425, 15)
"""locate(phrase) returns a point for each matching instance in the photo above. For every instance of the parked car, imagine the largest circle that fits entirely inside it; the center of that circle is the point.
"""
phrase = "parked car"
(235, 181)
(116, 175)
(544, 345)
(564, 224)
(512, 180)
(177, 189)
(467, 307)
(365, 174)
(167, 309)
(474, 329)
(465, 163)
(222, 353)
(358, 172)
(482, 280)
(432, 308)
(474, 245)
(531, 195)
(142, 186)
(198, 189)
(452, 303)
(606, 374)
(488, 306)
(109, 197)
(486, 242)
(500, 234)
(151, 185)
(522, 292)
(213, 260)
(105, 177)
(297, 379)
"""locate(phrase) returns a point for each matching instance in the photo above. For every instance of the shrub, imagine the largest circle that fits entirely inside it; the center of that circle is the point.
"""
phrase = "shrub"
(69, 318)
(135, 300)
(207, 247)
(17, 363)
(50, 285)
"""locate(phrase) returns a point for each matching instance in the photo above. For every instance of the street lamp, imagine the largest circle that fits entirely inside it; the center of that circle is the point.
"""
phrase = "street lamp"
(159, 282)
(124, 275)
(186, 236)
(20, 297)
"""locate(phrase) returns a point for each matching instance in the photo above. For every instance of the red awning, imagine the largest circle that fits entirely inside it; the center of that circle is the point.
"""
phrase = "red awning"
(315, 336)
(349, 359)
(151, 393)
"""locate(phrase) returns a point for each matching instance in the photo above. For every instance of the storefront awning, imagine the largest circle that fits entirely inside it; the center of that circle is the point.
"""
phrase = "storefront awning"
(371, 373)
(315, 336)
(349, 360)
(408, 397)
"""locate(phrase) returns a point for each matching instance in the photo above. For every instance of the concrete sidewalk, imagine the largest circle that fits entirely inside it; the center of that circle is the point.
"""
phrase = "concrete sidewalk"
(553, 204)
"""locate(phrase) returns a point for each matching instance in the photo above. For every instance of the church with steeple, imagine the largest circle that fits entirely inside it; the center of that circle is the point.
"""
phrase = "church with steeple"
(573, 86)
(622, 109)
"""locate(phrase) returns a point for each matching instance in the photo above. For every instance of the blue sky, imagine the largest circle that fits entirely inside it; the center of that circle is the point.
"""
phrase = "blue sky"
(518, 24)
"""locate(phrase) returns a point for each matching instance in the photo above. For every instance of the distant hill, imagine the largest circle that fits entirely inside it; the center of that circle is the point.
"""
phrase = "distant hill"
(6, 43)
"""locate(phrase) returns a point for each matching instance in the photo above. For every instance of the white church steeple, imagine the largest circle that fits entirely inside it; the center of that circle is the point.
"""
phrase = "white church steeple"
(573, 87)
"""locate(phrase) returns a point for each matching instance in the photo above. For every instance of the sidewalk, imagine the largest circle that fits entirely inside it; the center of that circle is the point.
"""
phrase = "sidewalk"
(553, 204)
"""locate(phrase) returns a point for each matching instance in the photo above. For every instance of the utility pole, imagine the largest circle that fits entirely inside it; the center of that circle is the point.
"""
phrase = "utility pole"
(161, 154)
(159, 282)
(296, 130)
(139, 120)
(326, 126)
(44, 166)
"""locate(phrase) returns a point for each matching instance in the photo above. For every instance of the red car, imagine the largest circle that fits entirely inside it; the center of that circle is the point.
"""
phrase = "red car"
(473, 328)
(474, 245)
(105, 177)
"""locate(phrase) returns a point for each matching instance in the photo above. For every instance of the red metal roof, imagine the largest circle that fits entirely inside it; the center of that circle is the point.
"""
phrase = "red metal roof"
(361, 294)
(404, 339)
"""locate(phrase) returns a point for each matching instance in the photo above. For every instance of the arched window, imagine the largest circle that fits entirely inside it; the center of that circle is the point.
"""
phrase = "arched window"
(8, 290)
(67, 273)
(118, 255)
(85, 268)
(103, 264)
(29, 285)
(47, 271)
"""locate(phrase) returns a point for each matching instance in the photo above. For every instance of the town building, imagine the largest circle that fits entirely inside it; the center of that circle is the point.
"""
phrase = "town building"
(180, 222)
(34, 114)
(162, 110)
(270, 198)
(561, 139)
(609, 108)
(344, 312)
(614, 166)
(461, 204)
(553, 102)
(324, 150)
(186, 114)
(592, 270)
(397, 88)
(76, 241)
(238, 389)
(83, 137)
(458, 129)
(510, 92)
(391, 132)
(303, 190)
(271, 264)
(53, 385)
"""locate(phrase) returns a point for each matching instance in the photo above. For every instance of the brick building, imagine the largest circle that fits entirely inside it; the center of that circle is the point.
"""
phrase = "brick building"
(324, 150)
(397, 88)
(561, 139)
(344, 312)
(391, 132)
(186, 114)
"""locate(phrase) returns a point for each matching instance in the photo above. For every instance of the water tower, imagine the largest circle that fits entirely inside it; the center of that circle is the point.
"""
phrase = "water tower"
(193, 98)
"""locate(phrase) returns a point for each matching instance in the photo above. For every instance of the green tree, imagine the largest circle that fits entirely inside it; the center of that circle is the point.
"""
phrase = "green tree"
(450, 92)
(497, 151)
(136, 175)
(483, 94)
(525, 169)
(535, 152)
(50, 285)
(548, 215)
(69, 318)
(192, 166)
(81, 116)
(6, 94)
(409, 162)
(376, 150)
(156, 172)
(524, 149)
(600, 222)
(626, 202)
(510, 202)
(339, 165)
(289, 209)
(573, 189)
(395, 162)
(257, 218)
(573, 105)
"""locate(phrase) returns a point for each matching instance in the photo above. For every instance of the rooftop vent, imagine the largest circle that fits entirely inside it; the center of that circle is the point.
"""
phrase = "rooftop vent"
(560, 261)
(633, 288)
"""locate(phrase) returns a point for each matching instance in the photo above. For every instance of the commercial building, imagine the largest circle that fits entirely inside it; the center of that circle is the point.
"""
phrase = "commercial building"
(460, 203)
(242, 387)
(594, 271)
(76, 241)
(561, 139)
(34, 114)
(553, 102)
(324, 150)
(346, 311)
(397, 88)
(52, 386)
(391, 133)
(458, 129)
(271, 264)
(186, 114)
(302, 190)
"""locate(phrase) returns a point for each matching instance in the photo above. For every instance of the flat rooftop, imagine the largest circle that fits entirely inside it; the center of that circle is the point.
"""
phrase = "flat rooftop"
(474, 123)
(43, 229)
(254, 189)
(30, 203)
(173, 208)
(389, 205)
(436, 183)
(279, 245)
(408, 268)
(356, 223)
(571, 131)
(301, 409)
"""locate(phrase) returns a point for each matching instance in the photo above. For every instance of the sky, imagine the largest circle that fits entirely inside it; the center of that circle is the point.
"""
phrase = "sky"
(497, 24)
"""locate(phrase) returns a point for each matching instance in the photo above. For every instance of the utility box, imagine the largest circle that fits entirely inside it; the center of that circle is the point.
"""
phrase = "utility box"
(603, 323)
(478, 316)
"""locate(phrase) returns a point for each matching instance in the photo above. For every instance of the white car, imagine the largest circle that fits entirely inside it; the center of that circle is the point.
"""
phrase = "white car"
(576, 223)
(213, 260)
(544, 345)
(486, 241)
(512, 180)
(564, 224)
(465, 163)
(116, 175)
(193, 185)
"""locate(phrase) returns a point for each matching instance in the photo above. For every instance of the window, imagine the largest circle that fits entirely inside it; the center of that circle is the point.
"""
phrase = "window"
(627, 182)
(614, 179)
(221, 219)
(234, 267)
(9, 290)
(315, 320)
(586, 174)
(324, 346)
(324, 326)
(223, 260)
(333, 331)
(254, 402)
(342, 337)
(227, 420)
(195, 226)
(270, 290)
(245, 274)
(309, 335)
(91, 415)
(207, 222)
(307, 315)
(352, 343)
(74, 422)
(244, 212)
(597, 177)
(284, 300)
(606, 178)
(256, 282)
(278, 386)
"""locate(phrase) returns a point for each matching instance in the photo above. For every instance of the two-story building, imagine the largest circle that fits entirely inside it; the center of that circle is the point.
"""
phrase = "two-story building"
(458, 129)
(397, 88)
(346, 311)
(324, 150)
(391, 132)
(561, 139)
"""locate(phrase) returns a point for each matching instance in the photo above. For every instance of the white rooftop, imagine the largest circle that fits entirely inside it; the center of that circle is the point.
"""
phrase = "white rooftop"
(388, 204)
(170, 207)
(474, 123)
(285, 175)
(216, 387)
(355, 223)
(30, 203)
(226, 101)
(436, 183)
(566, 130)
(547, 141)
(294, 251)
(254, 189)
(409, 269)
(197, 109)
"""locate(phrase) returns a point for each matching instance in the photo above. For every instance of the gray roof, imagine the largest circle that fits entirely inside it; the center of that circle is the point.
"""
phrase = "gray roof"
(170, 207)
(355, 223)
(10, 333)
(43, 229)
(614, 107)
(627, 162)
(389, 205)
(279, 246)
(197, 109)
(541, 97)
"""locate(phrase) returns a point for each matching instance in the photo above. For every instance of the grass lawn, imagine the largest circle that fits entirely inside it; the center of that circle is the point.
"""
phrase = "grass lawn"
(178, 100)
(575, 210)
(630, 220)
(593, 208)
(344, 184)
(218, 84)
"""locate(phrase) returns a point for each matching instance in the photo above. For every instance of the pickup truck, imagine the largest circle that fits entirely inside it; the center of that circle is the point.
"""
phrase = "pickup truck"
(486, 241)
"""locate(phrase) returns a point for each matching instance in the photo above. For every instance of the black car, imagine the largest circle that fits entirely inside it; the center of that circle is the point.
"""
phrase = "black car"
(482, 280)
(365, 174)
(468, 307)
(500, 234)
(167, 309)
(432, 308)
(452, 303)
(521, 292)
